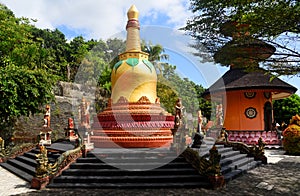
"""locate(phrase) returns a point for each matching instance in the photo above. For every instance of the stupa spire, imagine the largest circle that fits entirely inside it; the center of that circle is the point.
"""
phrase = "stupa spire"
(133, 30)
(133, 13)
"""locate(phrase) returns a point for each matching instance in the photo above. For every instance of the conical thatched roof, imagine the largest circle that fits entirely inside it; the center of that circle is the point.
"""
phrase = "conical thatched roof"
(239, 79)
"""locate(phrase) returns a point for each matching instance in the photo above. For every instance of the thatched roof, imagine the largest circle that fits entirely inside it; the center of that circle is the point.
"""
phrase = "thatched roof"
(239, 79)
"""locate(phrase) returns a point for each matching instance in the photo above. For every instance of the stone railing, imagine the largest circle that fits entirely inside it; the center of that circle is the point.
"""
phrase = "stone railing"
(11, 153)
(46, 171)
(256, 151)
(206, 167)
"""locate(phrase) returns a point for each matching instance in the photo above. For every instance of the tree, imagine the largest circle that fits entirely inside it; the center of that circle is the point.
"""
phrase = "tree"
(275, 22)
(156, 54)
(56, 48)
(170, 87)
(93, 65)
(204, 105)
(284, 109)
(25, 82)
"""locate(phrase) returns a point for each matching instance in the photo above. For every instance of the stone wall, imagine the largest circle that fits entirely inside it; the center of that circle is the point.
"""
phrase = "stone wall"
(68, 97)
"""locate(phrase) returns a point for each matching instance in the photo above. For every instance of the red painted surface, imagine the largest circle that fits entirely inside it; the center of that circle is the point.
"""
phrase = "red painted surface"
(133, 125)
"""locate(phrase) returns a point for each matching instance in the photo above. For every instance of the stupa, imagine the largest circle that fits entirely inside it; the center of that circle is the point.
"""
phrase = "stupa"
(247, 91)
(134, 117)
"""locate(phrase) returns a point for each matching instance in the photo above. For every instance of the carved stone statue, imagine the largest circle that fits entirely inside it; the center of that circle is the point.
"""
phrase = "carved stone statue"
(219, 115)
(178, 113)
(199, 135)
(200, 121)
(1, 144)
(84, 114)
(47, 117)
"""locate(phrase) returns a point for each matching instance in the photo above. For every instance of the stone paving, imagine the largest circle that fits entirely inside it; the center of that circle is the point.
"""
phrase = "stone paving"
(11, 184)
(280, 177)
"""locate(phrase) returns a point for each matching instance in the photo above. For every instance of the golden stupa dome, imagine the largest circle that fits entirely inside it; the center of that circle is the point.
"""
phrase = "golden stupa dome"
(133, 76)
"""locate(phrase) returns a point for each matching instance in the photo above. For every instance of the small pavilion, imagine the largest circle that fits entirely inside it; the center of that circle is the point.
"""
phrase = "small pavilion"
(247, 91)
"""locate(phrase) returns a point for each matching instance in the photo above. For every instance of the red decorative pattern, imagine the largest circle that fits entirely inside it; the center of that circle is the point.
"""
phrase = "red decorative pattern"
(251, 137)
(133, 125)
(132, 142)
(133, 23)
(131, 133)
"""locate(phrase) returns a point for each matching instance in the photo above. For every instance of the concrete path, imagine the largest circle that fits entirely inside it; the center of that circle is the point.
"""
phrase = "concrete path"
(279, 177)
(11, 184)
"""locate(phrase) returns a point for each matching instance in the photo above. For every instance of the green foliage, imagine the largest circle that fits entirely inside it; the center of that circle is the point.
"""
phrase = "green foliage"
(22, 92)
(291, 137)
(204, 105)
(25, 80)
(55, 51)
(275, 22)
(171, 86)
(285, 108)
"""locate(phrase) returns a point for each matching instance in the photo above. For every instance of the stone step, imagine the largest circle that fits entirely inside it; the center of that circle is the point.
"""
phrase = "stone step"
(30, 154)
(229, 153)
(18, 172)
(231, 159)
(61, 146)
(135, 155)
(21, 166)
(99, 186)
(130, 165)
(26, 160)
(131, 159)
(129, 179)
(119, 172)
(236, 165)
(241, 170)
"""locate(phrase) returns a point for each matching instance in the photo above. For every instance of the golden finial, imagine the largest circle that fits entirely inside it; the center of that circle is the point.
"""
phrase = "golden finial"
(133, 13)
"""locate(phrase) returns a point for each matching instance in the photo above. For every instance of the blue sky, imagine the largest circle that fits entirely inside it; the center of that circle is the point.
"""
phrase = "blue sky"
(101, 19)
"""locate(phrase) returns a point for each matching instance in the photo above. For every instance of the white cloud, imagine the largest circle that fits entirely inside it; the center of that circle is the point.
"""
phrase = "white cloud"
(97, 18)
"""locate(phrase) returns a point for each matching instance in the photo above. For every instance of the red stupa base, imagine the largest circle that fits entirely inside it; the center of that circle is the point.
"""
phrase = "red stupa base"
(132, 142)
(133, 125)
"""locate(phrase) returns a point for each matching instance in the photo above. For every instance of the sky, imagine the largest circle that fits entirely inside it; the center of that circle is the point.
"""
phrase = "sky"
(102, 19)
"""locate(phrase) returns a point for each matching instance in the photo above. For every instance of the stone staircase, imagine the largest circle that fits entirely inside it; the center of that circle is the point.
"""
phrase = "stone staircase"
(234, 164)
(135, 169)
(24, 166)
(139, 168)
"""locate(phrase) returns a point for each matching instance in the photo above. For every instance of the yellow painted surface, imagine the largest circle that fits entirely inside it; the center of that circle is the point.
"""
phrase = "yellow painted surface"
(133, 83)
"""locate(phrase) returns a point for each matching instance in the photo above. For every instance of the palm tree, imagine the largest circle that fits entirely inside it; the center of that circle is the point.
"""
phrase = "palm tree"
(156, 54)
